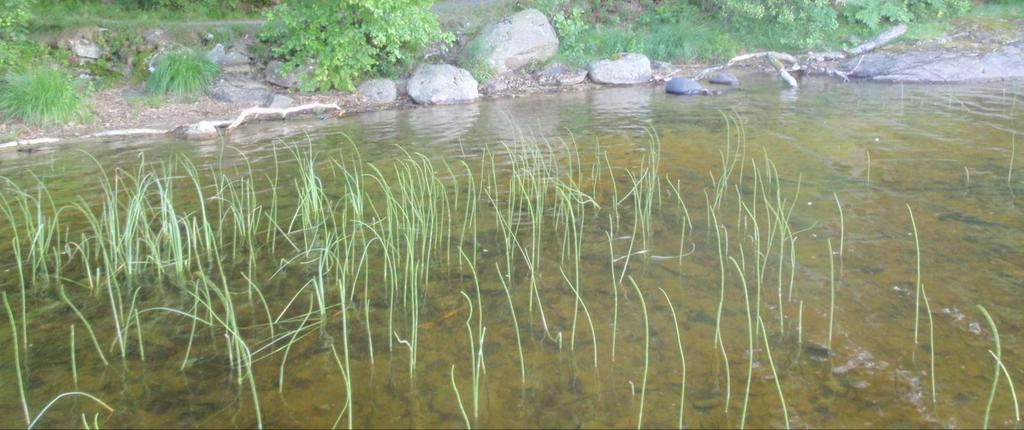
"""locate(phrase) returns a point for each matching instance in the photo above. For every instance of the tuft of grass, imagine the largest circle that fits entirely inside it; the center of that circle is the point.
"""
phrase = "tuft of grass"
(474, 59)
(43, 96)
(183, 72)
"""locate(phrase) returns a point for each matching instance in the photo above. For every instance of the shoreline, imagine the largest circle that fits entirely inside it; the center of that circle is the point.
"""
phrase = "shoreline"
(122, 111)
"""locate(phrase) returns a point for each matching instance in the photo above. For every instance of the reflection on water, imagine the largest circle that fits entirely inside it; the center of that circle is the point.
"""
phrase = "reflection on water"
(946, 151)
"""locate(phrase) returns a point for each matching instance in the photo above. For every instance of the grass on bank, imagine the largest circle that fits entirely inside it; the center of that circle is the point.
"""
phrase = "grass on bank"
(43, 96)
(682, 32)
(51, 16)
(184, 72)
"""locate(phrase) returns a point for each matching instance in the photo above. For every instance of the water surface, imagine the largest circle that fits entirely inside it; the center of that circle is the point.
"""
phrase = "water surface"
(946, 151)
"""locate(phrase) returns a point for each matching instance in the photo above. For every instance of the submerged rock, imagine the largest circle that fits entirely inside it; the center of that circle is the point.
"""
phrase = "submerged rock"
(442, 84)
(622, 69)
(202, 130)
(517, 41)
(1004, 63)
(684, 87)
(378, 90)
(722, 78)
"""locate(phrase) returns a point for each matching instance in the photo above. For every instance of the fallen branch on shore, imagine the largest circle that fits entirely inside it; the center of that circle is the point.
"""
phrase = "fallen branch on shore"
(781, 56)
(810, 62)
(263, 114)
(873, 44)
(201, 129)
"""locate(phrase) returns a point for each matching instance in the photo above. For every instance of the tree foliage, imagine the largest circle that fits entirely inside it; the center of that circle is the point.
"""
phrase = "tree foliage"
(345, 39)
(875, 12)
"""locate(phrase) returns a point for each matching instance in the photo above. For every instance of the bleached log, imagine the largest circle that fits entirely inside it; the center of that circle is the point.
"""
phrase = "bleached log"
(259, 113)
(878, 41)
(781, 69)
(27, 142)
(782, 56)
(129, 132)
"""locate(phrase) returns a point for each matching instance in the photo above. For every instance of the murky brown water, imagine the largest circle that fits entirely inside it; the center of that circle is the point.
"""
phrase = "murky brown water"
(944, 150)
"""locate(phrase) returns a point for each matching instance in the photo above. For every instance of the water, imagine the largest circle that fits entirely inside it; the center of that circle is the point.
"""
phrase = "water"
(943, 150)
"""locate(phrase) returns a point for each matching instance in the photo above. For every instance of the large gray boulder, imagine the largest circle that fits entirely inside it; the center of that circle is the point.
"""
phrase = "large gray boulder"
(442, 84)
(1004, 63)
(82, 44)
(378, 90)
(238, 89)
(622, 69)
(517, 41)
(157, 38)
(290, 80)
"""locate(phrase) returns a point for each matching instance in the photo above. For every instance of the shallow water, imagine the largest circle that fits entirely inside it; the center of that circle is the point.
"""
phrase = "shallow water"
(946, 151)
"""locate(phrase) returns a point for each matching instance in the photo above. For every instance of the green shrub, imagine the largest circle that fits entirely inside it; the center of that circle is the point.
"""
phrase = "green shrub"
(184, 72)
(793, 23)
(349, 38)
(13, 17)
(873, 13)
(474, 59)
(43, 96)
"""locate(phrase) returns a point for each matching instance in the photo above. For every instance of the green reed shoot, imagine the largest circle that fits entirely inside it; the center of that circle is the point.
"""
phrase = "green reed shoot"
(682, 357)
(647, 352)
(515, 324)
(17, 358)
(931, 344)
(775, 374)
(615, 285)
(917, 277)
(1009, 381)
(590, 321)
(750, 342)
(998, 354)
(1013, 154)
(800, 325)
(832, 294)
(842, 229)
(458, 397)
(67, 394)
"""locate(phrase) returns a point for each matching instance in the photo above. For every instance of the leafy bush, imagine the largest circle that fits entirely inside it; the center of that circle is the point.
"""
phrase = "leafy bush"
(13, 17)
(43, 96)
(349, 38)
(795, 23)
(183, 72)
(875, 12)
(197, 4)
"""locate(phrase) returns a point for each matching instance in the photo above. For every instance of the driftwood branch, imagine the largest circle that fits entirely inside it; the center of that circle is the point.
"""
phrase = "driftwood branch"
(782, 56)
(781, 70)
(886, 37)
(779, 60)
(260, 113)
(247, 115)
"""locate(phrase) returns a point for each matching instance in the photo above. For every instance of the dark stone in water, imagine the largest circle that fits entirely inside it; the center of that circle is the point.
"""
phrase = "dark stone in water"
(817, 352)
(969, 220)
(684, 87)
(722, 78)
